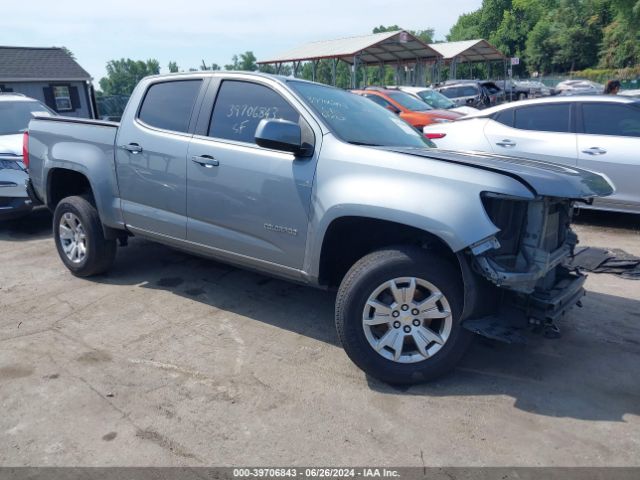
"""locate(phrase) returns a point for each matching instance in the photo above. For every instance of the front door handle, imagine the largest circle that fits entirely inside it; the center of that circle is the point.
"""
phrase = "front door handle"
(205, 161)
(132, 147)
(506, 143)
(594, 151)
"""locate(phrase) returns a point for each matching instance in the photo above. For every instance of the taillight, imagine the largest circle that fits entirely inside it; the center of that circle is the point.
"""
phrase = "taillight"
(25, 149)
(432, 136)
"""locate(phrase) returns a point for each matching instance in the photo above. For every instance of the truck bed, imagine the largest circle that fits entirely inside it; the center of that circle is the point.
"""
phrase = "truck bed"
(86, 146)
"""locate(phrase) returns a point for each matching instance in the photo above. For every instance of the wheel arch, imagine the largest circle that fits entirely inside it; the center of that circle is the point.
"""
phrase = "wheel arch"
(348, 238)
(66, 182)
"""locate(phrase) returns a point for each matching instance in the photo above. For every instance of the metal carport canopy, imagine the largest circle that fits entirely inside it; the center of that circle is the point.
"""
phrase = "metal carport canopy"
(468, 51)
(387, 47)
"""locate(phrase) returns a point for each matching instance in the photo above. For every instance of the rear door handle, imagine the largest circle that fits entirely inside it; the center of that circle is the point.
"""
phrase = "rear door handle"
(506, 143)
(205, 161)
(132, 147)
(594, 151)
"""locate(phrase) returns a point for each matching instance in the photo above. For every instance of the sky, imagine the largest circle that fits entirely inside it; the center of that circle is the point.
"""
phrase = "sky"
(188, 31)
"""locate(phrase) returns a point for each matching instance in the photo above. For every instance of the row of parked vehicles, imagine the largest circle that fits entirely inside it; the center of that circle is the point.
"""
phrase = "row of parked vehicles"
(335, 190)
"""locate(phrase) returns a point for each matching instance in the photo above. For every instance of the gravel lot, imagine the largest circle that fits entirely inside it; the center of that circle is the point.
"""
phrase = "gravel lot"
(176, 360)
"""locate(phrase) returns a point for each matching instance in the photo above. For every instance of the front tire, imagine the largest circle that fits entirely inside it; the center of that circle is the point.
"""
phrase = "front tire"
(398, 315)
(79, 238)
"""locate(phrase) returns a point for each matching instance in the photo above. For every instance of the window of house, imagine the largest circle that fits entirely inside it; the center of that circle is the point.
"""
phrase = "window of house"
(63, 98)
(168, 105)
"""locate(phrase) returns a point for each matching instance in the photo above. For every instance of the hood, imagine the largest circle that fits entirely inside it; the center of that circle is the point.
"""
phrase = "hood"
(11, 144)
(542, 178)
(448, 114)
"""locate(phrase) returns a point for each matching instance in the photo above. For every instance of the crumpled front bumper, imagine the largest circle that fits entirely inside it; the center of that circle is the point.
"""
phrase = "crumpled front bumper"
(518, 316)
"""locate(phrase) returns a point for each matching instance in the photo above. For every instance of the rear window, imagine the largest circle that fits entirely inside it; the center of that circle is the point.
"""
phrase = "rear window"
(409, 102)
(380, 101)
(611, 119)
(544, 118)
(168, 105)
(15, 116)
(505, 117)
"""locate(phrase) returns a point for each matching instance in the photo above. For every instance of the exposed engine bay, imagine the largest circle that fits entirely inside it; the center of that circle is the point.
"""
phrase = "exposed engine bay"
(527, 259)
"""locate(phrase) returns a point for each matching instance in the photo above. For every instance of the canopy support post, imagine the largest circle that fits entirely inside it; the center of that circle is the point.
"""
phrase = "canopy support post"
(334, 61)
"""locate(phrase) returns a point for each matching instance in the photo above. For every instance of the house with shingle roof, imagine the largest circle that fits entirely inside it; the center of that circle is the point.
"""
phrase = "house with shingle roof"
(50, 75)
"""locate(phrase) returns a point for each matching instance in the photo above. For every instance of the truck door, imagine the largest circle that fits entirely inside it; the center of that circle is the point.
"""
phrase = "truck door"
(151, 158)
(243, 199)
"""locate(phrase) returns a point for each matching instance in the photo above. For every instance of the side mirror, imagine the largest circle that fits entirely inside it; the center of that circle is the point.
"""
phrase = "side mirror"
(279, 134)
(393, 109)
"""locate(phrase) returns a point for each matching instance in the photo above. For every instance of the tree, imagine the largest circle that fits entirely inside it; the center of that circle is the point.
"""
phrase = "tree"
(285, 70)
(68, 52)
(205, 67)
(245, 61)
(425, 35)
(621, 38)
(124, 74)
(173, 67)
(466, 28)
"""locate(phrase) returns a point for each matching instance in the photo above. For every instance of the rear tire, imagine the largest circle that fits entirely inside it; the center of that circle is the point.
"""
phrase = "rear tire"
(408, 318)
(79, 238)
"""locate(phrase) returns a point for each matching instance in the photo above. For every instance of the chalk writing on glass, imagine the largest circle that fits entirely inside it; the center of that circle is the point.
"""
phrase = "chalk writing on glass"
(252, 111)
(329, 109)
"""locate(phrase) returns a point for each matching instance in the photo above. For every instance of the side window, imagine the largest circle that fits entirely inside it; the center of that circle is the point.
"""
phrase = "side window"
(544, 118)
(168, 105)
(611, 119)
(504, 117)
(469, 91)
(240, 106)
(380, 101)
(450, 92)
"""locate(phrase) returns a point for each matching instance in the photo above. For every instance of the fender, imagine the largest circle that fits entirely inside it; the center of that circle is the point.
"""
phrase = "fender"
(84, 147)
(443, 199)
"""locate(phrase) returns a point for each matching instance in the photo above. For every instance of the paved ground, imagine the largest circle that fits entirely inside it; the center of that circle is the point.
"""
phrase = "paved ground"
(175, 360)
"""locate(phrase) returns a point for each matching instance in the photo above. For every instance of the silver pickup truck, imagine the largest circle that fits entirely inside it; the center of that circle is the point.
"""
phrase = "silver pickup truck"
(319, 186)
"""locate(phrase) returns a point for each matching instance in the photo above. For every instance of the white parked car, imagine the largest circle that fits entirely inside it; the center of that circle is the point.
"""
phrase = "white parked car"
(630, 93)
(579, 87)
(436, 100)
(15, 112)
(599, 133)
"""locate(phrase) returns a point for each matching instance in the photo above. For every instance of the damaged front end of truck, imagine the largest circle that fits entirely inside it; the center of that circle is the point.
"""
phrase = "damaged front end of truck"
(528, 285)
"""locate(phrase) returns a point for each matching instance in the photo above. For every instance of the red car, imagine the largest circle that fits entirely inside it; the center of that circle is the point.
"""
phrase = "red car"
(409, 108)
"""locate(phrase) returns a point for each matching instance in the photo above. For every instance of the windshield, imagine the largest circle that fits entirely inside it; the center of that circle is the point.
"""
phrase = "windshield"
(436, 99)
(409, 101)
(358, 120)
(15, 116)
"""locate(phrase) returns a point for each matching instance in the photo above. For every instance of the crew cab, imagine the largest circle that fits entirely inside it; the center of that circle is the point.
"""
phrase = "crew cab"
(319, 186)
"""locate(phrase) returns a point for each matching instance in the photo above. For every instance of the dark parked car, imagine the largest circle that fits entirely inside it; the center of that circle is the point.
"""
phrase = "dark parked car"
(472, 93)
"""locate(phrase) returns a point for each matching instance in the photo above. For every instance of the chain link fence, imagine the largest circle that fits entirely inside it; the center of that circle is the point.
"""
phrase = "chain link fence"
(111, 107)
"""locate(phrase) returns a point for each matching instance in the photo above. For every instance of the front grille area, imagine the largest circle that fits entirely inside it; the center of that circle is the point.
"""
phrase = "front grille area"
(510, 217)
